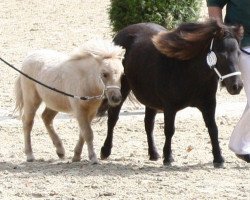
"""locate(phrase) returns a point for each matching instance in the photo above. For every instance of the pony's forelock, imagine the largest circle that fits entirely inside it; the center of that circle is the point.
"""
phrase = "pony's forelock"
(103, 49)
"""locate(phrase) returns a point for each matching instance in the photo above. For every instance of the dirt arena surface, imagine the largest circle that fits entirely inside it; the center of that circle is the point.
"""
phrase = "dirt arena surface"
(62, 25)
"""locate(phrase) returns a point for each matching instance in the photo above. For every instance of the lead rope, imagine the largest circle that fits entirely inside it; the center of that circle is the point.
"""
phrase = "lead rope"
(212, 61)
(61, 92)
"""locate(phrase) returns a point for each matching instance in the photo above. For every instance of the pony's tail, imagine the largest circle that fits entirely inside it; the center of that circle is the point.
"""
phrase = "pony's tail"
(19, 96)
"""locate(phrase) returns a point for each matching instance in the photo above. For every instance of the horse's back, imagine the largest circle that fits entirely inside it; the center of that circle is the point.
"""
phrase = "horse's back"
(127, 36)
(38, 59)
(137, 40)
(43, 65)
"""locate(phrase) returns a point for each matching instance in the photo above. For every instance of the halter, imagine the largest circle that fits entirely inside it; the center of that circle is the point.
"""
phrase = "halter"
(212, 61)
(105, 88)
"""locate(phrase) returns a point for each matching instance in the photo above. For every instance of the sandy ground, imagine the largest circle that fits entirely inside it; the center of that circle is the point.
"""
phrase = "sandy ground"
(127, 174)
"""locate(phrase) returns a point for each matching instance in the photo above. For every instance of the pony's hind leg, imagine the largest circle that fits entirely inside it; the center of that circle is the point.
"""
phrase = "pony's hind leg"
(149, 121)
(48, 116)
(169, 129)
(29, 111)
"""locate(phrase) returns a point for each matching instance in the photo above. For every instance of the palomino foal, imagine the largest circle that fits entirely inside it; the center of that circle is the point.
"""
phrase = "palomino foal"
(92, 72)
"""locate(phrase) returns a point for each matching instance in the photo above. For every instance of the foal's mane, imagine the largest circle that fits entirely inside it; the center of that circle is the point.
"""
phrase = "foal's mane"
(101, 49)
(189, 39)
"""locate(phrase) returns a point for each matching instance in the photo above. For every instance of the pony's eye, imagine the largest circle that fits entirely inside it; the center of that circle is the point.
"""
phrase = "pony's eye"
(105, 75)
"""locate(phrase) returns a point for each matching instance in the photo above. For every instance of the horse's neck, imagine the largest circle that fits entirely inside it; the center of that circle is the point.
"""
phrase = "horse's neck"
(83, 73)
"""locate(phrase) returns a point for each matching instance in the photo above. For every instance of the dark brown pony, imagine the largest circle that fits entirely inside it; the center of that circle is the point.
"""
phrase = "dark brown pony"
(169, 71)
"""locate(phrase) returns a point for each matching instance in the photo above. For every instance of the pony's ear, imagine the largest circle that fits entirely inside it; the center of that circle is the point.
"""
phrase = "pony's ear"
(239, 32)
(97, 57)
(122, 54)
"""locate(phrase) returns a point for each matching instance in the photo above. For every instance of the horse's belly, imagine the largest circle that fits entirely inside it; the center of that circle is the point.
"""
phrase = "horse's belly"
(147, 97)
(54, 100)
(59, 106)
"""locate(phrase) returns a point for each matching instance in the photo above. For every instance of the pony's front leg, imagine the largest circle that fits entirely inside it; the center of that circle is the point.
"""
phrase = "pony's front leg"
(86, 134)
(113, 116)
(169, 129)
(208, 113)
(78, 148)
(149, 121)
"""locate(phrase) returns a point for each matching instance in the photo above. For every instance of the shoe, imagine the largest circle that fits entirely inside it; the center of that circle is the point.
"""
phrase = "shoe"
(245, 157)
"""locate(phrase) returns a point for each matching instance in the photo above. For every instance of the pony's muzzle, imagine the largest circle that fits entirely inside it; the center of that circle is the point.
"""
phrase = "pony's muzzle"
(114, 96)
(235, 87)
(116, 99)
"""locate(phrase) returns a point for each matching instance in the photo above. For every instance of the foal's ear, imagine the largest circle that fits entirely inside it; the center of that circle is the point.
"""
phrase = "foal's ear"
(239, 32)
(97, 57)
(122, 54)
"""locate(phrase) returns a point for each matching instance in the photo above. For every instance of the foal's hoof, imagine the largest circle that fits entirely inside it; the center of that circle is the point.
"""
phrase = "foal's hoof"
(61, 155)
(95, 162)
(30, 158)
(245, 157)
(105, 153)
(76, 159)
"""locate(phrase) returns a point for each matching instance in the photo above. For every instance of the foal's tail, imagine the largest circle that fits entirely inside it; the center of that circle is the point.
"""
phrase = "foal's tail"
(19, 96)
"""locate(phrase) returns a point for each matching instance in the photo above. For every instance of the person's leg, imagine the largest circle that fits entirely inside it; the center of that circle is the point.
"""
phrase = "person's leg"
(240, 138)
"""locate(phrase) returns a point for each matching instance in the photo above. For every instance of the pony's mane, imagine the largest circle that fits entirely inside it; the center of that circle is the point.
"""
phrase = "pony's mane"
(103, 49)
(189, 39)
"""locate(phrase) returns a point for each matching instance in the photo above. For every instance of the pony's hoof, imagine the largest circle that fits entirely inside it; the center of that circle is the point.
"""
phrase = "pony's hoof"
(95, 162)
(168, 161)
(154, 156)
(76, 159)
(105, 153)
(30, 158)
(61, 155)
(167, 164)
(218, 165)
(219, 162)
(245, 157)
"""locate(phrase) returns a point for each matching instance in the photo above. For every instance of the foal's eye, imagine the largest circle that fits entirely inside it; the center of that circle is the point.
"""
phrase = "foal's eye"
(105, 75)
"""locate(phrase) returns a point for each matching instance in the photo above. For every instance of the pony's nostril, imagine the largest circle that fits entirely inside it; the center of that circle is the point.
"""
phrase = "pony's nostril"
(116, 99)
(237, 87)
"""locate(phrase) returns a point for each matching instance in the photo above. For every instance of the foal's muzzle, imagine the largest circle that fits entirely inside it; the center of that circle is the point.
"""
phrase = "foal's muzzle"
(113, 94)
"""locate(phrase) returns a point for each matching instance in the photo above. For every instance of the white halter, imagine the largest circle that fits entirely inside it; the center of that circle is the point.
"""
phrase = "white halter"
(212, 60)
(105, 88)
